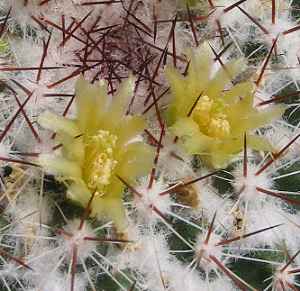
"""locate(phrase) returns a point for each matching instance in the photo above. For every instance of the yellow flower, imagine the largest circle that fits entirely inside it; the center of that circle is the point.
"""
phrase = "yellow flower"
(213, 125)
(97, 147)
(4, 46)
(191, 3)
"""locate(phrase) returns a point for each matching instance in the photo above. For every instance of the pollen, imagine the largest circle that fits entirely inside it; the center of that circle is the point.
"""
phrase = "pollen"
(219, 127)
(210, 117)
(100, 160)
(202, 111)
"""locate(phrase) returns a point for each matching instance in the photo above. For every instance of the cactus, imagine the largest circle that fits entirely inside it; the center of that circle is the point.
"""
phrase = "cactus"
(149, 145)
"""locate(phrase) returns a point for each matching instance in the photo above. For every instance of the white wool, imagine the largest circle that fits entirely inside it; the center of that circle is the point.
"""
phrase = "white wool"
(11, 272)
(20, 14)
(208, 249)
(222, 283)
(85, 247)
(233, 17)
(20, 49)
(59, 282)
(151, 258)
(43, 258)
(211, 202)
(270, 215)
(279, 135)
(46, 145)
(183, 278)
(151, 199)
(50, 253)
(4, 150)
(246, 186)
(279, 27)
(145, 251)
(173, 161)
(284, 276)
(30, 208)
(147, 256)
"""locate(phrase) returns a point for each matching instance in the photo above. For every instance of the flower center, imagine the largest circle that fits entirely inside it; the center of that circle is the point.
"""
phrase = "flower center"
(210, 117)
(99, 160)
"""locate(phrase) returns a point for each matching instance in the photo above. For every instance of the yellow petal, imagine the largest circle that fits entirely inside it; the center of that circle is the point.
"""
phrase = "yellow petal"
(117, 109)
(91, 102)
(130, 158)
(77, 191)
(222, 151)
(223, 78)
(110, 209)
(193, 140)
(130, 128)
(201, 62)
(243, 119)
(236, 92)
(259, 143)
(185, 90)
(179, 89)
(60, 166)
(73, 148)
(58, 123)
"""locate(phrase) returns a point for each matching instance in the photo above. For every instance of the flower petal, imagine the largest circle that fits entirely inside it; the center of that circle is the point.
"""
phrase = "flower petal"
(186, 90)
(117, 109)
(58, 123)
(223, 78)
(60, 166)
(193, 140)
(243, 118)
(130, 166)
(110, 209)
(91, 101)
(130, 128)
(234, 94)
(77, 191)
(73, 148)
